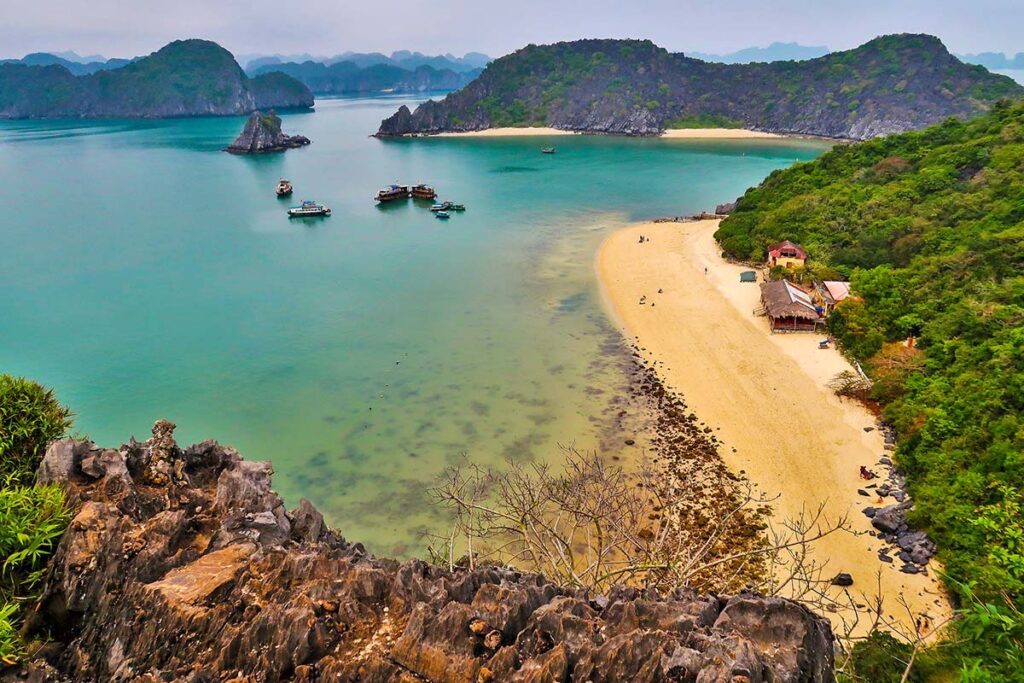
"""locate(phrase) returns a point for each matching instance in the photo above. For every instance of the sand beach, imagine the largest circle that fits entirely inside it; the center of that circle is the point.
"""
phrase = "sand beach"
(767, 394)
(672, 133)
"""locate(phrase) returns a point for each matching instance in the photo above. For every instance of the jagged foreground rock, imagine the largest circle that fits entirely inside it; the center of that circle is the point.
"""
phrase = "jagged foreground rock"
(262, 133)
(184, 565)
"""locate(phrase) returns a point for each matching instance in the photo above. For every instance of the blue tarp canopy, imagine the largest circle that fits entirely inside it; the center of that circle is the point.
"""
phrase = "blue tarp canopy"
(748, 276)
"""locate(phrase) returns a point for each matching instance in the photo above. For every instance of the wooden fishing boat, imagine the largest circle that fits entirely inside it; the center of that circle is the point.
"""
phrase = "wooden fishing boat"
(391, 193)
(422, 191)
(284, 188)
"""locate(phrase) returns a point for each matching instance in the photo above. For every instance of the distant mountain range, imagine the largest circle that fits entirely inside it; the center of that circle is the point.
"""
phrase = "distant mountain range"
(780, 52)
(349, 77)
(995, 60)
(776, 52)
(76, 67)
(185, 78)
(890, 84)
(404, 59)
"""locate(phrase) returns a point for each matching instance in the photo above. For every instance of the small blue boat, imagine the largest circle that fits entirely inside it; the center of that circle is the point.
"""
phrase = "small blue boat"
(442, 214)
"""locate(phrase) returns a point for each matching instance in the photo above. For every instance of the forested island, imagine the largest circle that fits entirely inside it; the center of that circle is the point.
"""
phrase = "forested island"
(184, 78)
(929, 229)
(891, 84)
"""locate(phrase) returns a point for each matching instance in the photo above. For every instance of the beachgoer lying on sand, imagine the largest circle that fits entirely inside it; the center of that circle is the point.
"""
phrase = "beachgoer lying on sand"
(865, 473)
(643, 299)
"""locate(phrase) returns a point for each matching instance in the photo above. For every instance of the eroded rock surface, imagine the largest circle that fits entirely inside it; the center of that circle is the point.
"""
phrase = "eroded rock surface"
(262, 134)
(206, 576)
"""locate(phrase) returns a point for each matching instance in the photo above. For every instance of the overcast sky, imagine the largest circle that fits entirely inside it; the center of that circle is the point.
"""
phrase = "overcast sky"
(125, 28)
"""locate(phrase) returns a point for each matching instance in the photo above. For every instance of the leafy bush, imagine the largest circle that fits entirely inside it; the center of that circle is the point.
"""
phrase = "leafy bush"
(11, 649)
(881, 658)
(32, 518)
(30, 418)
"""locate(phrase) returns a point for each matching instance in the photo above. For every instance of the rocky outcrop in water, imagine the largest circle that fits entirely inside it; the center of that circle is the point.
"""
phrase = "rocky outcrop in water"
(184, 565)
(262, 133)
(631, 87)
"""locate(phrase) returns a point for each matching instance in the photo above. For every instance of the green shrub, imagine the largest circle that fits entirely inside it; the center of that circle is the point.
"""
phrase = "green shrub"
(32, 518)
(881, 658)
(30, 418)
(11, 648)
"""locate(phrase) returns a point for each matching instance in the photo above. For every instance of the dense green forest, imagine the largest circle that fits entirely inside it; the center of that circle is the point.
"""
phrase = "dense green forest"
(929, 227)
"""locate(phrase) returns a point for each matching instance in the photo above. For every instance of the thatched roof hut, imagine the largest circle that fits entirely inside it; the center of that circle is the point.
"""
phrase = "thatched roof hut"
(788, 307)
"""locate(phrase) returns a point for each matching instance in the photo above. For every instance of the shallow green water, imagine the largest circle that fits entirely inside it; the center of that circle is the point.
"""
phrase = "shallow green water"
(146, 274)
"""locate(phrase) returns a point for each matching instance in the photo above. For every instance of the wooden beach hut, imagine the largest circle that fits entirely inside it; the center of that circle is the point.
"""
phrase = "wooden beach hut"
(788, 307)
(786, 254)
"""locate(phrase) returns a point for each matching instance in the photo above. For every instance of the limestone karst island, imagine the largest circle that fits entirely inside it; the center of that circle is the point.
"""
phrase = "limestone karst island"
(673, 342)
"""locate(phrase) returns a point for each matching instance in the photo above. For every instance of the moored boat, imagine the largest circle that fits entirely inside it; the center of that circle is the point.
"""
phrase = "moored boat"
(547, 150)
(456, 207)
(422, 191)
(284, 188)
(308, 209)
(391, 193)
(442, 214)
(442, 206)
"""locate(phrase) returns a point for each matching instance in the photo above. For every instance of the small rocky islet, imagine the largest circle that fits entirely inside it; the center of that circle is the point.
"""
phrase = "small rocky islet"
(262, 134)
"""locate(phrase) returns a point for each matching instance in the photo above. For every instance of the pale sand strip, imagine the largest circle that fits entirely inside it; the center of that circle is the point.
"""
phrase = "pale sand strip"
(766, 392)
(715, 133)
(674, 133)
(507, 133)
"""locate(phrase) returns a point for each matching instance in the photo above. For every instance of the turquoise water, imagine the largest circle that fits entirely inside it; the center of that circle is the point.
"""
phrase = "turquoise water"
(146, 274)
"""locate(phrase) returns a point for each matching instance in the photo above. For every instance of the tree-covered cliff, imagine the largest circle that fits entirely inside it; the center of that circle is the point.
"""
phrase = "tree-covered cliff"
(930, 228)
(348, 77)
(185, 78)
(890, 84)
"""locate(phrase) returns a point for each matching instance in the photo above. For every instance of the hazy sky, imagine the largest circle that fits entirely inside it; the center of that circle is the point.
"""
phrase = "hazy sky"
(134, 27)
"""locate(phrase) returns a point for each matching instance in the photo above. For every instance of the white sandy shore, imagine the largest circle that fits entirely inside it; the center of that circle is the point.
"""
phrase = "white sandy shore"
(792, 436)
(676, 133)
(507, 133)
(715, 133)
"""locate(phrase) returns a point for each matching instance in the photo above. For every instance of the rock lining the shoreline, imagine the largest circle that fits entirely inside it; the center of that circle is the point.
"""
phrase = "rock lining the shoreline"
(205, 576)
(913, 547)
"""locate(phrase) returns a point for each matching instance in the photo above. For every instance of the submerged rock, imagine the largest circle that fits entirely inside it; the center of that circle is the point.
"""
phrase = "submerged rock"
(262, 133)
(201, 574)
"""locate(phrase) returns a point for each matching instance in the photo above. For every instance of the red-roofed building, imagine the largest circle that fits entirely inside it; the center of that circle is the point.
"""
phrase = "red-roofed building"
(786, 254)
(828, 293)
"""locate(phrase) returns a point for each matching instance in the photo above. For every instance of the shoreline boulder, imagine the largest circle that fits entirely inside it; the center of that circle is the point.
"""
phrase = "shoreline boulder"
(263, 134)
